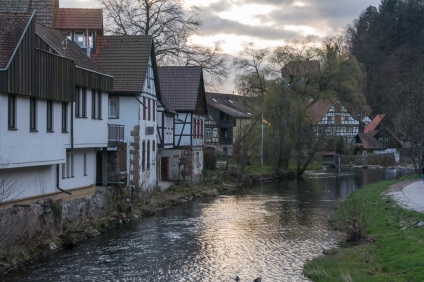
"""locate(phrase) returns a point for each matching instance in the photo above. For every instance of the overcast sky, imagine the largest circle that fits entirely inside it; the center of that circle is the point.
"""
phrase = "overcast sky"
(267, 23)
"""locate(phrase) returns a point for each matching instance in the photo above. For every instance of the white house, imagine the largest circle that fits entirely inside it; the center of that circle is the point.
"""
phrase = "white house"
(133, 103)
(53, 100)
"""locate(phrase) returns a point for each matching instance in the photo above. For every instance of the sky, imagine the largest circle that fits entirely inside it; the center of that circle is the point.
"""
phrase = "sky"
(266, 23)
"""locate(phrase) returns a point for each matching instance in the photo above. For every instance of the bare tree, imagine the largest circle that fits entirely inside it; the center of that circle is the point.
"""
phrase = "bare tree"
(171, 25)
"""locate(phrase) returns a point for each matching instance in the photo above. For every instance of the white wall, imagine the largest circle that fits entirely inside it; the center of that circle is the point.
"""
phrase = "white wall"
(74, 173)
(21, 147)
(89, 132)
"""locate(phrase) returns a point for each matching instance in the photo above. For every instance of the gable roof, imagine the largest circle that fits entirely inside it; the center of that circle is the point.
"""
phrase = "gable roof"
(78, 19)
(183, 87)
(55, 38)
(12, 28)
(369, 142)
(233, 105)
(318, 110)
(126, 58)
(374, 123)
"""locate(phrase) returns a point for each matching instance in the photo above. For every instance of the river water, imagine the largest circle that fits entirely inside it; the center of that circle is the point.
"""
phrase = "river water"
(267, 231)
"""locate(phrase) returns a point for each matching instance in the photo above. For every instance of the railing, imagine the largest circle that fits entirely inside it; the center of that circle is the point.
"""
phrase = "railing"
(116, 135)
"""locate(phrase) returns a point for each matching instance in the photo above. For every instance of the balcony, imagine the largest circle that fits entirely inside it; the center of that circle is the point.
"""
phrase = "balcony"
(116, 135)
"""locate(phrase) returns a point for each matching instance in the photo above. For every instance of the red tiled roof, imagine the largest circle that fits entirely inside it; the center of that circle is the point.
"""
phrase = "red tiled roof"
(374, 123)
(78, 19)
(183, 87)
(126, 58)
(44, 8)
(318, 110)
(12, 27)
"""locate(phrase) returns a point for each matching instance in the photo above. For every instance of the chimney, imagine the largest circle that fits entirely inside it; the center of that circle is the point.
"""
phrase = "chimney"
(56, 4)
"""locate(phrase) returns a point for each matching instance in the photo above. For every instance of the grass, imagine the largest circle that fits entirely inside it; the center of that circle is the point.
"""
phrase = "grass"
(395, 251)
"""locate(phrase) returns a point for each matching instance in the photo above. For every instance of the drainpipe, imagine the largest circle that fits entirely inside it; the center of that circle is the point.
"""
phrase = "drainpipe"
(57, 181)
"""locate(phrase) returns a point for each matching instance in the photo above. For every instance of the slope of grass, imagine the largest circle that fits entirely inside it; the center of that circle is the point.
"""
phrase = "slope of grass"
(393, 251)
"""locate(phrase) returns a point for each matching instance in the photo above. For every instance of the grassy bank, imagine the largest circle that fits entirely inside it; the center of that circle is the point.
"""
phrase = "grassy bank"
(392, 248)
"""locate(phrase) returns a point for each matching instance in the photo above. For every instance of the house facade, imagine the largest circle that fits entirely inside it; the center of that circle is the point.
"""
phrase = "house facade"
(227, 115)
(133, 103)
(51, 140)
(183, 88)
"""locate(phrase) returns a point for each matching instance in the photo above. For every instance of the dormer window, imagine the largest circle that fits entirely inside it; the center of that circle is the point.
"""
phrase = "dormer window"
(81, 39)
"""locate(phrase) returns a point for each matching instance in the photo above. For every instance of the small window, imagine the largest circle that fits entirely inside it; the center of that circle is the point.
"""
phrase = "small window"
(84, 102)
(93, 104)
(148, 110)
(49, 116)
(143, 156)
(11, 117)
(64, 117)
(99, 104)
(64, 170)
(72, 165)
(148, 154)
(68, 166)
(33, 114)
(77, 102)
(85, 164)
(113, 108)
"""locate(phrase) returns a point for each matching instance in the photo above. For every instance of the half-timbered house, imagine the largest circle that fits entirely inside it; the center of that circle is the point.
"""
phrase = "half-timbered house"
(332, 119)
(183, 88)
(226, 114)
(133, 103)
(49, 144)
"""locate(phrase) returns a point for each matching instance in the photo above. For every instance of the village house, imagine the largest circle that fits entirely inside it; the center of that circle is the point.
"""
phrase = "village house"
(227, 114)
(184, 90)
(54, 99)
(133, 103)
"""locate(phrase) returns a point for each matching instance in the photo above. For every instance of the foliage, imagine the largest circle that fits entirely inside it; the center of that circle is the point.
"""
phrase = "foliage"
(394, 255)
(170, 24)
(388, 41)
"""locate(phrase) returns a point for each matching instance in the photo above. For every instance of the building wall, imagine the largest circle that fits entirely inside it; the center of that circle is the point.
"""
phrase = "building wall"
(79, 170)
(91, 131)
(21, 147)
(193, 161)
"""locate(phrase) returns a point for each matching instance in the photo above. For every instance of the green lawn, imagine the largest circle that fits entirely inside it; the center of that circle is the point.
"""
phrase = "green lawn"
(395, 249)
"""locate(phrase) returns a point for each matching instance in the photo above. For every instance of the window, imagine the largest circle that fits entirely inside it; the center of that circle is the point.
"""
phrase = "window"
(148, 154)
(32, 114)
(72, 165)
(80, 102)
(148, 110)
(99, 104)
(81, 39)
(194, 128)
(144, 108)
(113, 108)
(154, 146)
(64, 117)
(64, 170)
(85, 164)
(96, 104)
(143, 156)
(68, 166)
(49, 116)
(208, 132)
(11, 117)
(84, 102)
(77, 102)
(201, 128)
(154, 110)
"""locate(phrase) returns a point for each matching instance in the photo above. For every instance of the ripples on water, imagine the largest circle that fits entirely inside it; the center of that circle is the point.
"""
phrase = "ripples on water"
(269, 230)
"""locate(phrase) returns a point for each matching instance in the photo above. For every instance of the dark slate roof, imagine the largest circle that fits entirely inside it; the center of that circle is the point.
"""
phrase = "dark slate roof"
(55, 38)
(183, 87)
(78, 19)
(12, 27)
(44, 8)
(126, 58)
(369, 142)
(233, 105)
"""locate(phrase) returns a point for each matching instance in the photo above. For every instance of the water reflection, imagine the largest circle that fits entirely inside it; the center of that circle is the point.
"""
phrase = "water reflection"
(268, 230)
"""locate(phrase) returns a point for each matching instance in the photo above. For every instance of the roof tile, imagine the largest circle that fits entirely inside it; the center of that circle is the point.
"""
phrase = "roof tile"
(78, 19)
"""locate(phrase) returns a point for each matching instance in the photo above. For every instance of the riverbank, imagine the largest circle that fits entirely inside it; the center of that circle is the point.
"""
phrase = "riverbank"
(392, 247)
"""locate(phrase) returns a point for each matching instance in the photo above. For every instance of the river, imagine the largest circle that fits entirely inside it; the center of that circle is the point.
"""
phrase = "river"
(267, 231)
